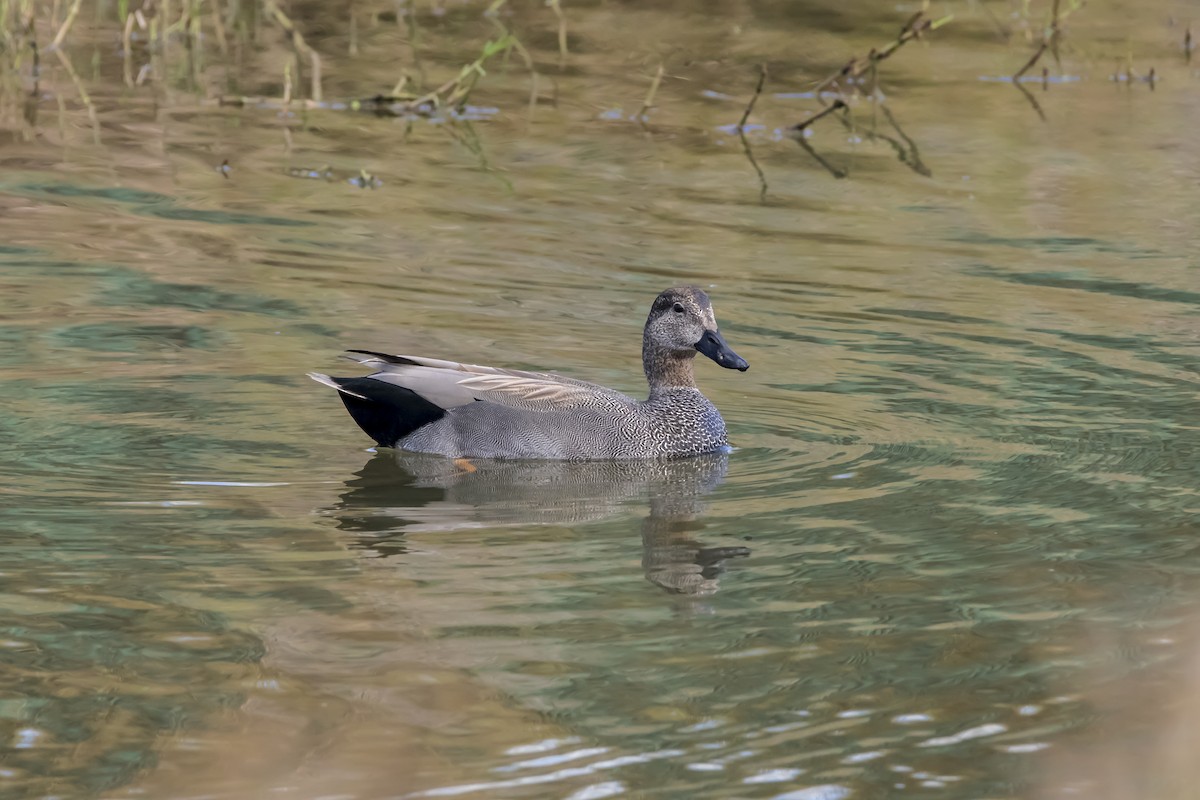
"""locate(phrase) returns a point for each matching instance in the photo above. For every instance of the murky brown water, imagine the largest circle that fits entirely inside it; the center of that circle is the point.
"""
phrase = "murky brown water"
(966, 449)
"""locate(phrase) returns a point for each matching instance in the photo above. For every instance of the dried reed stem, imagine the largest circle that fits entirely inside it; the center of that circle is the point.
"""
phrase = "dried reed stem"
(649, 101)
(219, 27)
(65, 28)
(302, 46)
(83, 95)
(562, 32)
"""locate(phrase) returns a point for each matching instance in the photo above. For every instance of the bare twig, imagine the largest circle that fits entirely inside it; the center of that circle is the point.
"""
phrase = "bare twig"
(911, 157)
(1051, 37)
(762, 79)
(1032, 100)
(906, 150)
(762, 179)
(1037, 54)
(916, 26)
(796, 132)
(837, 104)
(832, 170)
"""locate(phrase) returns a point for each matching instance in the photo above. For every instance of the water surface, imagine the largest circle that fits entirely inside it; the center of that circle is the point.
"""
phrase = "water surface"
(961, 508)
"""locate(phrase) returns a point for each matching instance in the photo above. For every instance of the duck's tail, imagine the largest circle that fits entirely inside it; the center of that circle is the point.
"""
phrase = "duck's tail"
(386, 412)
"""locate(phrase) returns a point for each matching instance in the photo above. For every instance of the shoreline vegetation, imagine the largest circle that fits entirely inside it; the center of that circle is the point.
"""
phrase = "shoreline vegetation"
(201, 46)
(201, 32)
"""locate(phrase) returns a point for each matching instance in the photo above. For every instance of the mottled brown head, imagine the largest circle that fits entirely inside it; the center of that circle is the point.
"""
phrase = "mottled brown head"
(681, 321)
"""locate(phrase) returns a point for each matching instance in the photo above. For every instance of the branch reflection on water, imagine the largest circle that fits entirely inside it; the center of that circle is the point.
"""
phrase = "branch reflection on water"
(398, 493)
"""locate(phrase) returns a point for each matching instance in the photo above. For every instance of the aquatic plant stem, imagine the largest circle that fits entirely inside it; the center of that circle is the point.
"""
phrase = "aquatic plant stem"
(127, 49)
(1037, 107)
(1032, 60)
(649, 101)
(796, 133)
(455, 91)
(219, 29)
(837, 104)
(1051, 37)
(562, 32)
(83, 95)
(762, 178)
(916, 26)
(762, 79)
(65, 28)
(301, 46)
(524, 53)
(832, 170)
(35, 52)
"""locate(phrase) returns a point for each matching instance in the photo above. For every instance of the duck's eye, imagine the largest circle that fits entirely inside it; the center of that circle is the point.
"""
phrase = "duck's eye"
(678, 308)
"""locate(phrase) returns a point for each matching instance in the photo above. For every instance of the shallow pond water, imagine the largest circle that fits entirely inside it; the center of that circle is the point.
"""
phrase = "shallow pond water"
(961, 508)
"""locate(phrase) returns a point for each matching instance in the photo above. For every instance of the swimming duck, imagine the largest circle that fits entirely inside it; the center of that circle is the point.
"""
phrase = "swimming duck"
(469, 411)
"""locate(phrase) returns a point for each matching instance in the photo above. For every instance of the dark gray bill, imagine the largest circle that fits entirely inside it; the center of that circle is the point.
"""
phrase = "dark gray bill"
(712, 344)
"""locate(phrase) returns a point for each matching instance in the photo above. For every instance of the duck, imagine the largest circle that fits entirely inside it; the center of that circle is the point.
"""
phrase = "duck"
(468, 411)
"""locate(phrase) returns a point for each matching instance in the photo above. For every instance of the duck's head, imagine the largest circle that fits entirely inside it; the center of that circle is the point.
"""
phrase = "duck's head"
(681, 320)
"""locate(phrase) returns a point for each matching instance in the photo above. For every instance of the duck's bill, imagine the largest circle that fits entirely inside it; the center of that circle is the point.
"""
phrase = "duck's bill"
(712, 344)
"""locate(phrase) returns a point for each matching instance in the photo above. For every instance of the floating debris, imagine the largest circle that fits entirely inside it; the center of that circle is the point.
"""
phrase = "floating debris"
(362, 180)
(733, 130)
(380, 105)
(1044, 78)
(806, 95)
(365, 180)
(322, 174)
(1128, 76)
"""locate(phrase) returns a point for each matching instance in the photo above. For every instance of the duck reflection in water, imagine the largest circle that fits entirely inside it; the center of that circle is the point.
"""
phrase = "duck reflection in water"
(398, 493)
